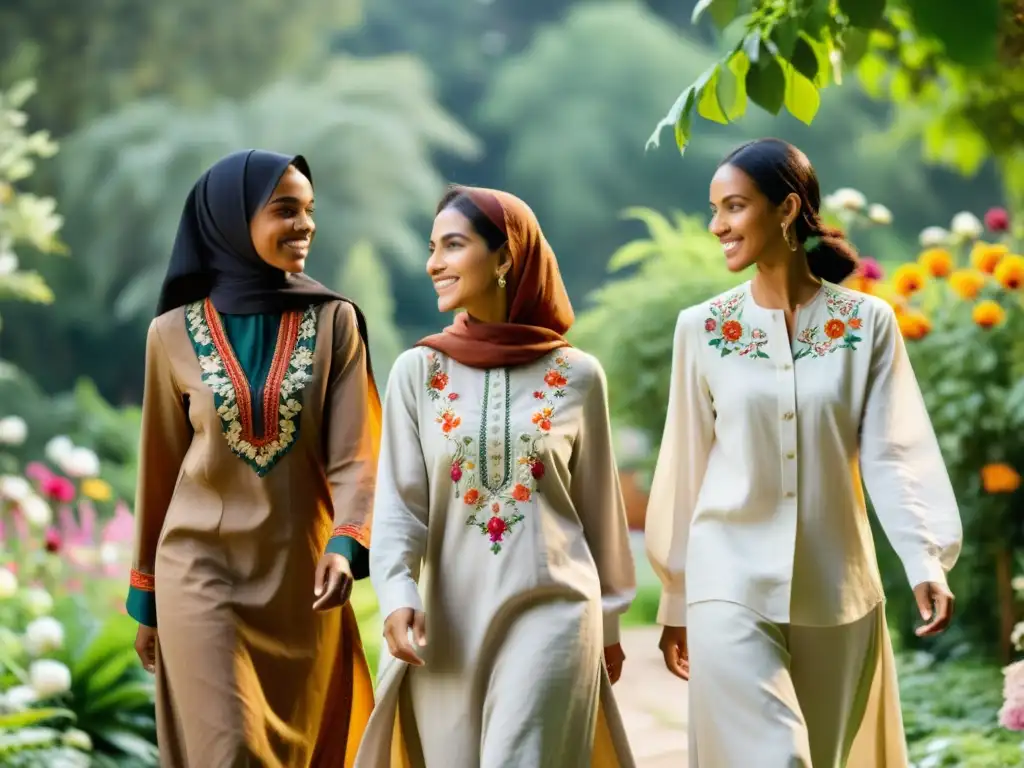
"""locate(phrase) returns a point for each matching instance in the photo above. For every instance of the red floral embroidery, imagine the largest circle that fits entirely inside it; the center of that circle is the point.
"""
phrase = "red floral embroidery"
(358, 532)
(710, 324)
(728, 334)
(835, 328)
(521, 493)
(554, 378)
(144, 581)
(732, 330)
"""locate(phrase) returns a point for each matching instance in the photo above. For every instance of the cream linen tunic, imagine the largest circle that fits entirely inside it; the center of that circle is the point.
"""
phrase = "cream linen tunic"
(498, 501)
(757, 496)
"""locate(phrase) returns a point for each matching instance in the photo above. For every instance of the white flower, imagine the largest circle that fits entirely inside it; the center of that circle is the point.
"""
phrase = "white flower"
(846, 199)
(14, 488)
(8, 584)
(37, 601)
(1017, 636)
(58, 448)
(80, 462)
(110, 553)
(879, 214)
(933, 237)
(20, 697)
(966, 225)
(78, 739)
(49, 678)
(36, 511)
(13, 430)
(8, 263)
(1017, 583)
(44, 635)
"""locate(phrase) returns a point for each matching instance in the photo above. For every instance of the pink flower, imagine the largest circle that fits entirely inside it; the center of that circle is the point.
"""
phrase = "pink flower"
(997, 220)
(870, 269)
(1011, 717)
(456, 473)
(453, 396)
(710, 324)
(36, 470)
(58, 488)
(537, 469)
(53, 541)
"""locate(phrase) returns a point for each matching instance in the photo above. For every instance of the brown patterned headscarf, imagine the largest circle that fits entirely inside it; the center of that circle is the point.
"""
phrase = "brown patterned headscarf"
(539, 308)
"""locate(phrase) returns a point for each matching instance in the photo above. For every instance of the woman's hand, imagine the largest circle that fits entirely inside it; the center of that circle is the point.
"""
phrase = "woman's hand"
(935, 602)
(396, 632)
(673, 648)
(333, 585)
(145, 646)
(614, 656)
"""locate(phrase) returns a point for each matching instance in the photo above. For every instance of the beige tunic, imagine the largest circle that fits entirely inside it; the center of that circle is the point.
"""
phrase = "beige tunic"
(757, 499)
(498, 512)
(246, 670)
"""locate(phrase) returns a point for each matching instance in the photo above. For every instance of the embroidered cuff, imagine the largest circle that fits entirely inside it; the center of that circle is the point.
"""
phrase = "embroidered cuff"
(611, 628)
(357, 555)
(929, 569)
(141, 602)
(672, 609)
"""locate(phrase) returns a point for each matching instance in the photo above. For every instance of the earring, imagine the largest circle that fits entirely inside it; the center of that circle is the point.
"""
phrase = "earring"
(501, 281)
(785, 236)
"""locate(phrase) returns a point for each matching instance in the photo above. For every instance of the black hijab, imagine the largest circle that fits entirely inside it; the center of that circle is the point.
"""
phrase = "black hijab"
(213, 254)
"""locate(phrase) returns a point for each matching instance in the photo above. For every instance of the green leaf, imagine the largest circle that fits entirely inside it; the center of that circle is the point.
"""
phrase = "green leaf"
(681, 105)
(872, 71)
(969, 36)
(32, 717)
(863, 13)
(732, 89)
(802, 98)
(722, 11)
(855, 45)
(709, 107)
(685, 121)
(804, 59)
(785, 35)
(766, 85)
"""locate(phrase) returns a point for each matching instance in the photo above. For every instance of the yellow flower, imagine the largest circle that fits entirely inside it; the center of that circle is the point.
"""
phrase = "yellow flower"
(985, 256)
(988, 313)
(999, 478)
(908, 279)
(967, 283)
(860, 283)
(1010, 272)
(96, 489)
(937, 261)
(914, 324)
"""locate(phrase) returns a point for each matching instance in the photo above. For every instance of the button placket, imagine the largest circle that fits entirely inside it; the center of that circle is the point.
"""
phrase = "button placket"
(786, 377)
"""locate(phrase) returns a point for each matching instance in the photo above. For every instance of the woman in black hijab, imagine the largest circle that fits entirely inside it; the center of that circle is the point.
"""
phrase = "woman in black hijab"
(257, 464)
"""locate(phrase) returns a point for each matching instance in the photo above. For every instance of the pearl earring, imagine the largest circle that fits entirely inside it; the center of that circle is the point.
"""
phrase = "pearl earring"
(501, 281)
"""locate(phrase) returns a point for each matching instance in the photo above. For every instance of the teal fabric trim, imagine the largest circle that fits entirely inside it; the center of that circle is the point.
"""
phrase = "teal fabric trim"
(254, 341)
(357, 555)
(141, 606)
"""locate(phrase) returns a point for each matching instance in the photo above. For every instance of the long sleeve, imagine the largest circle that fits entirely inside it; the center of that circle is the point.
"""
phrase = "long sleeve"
(682, 461)
(597, 495)
(401, 501)
(902, 466)
(351, 438)
(165, 438)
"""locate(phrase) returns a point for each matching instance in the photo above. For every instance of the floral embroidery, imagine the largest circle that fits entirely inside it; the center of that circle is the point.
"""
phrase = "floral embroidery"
(729, 333)
(360, 533)
(494, 506)
(290, 372)
(838, 332)
(143, 581)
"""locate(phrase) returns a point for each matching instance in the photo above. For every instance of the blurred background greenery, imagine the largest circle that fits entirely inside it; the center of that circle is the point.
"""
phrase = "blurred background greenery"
(109, 110)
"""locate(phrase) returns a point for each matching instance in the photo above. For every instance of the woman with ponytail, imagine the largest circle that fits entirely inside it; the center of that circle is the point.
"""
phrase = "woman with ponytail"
(784, 392)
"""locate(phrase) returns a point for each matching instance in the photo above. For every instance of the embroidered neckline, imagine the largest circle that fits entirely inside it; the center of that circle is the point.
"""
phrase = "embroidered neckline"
(290, 371)
(839, 330)
(729, 333)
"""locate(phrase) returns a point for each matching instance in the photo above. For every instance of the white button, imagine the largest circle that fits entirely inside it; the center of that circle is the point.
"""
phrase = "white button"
(788, 415)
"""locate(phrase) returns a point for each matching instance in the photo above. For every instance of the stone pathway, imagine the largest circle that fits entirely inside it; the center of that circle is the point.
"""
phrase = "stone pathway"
(652, 702)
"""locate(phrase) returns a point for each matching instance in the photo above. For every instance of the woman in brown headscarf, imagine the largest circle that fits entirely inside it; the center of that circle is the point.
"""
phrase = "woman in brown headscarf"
(500, 537)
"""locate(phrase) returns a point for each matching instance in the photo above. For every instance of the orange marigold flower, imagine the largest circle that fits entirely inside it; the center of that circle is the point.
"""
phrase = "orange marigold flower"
(967, 283)
(988, 313)
(938, 262)
(908, 279)
(999, 478)
(835, 328)
(860, 283)
(985, 256)
(521, 492)
(1010, 272)
(471, 497)
(913, 324)
(732, 330)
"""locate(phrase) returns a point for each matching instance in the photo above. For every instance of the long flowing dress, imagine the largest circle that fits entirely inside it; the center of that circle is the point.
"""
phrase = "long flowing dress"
(758, 529)
(256, 457)
(499, 513)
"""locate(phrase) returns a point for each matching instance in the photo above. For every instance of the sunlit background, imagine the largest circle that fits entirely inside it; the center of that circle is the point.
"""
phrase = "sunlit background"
(110, 109)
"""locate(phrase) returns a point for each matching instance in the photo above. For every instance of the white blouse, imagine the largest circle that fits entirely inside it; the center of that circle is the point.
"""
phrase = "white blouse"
(757, 496)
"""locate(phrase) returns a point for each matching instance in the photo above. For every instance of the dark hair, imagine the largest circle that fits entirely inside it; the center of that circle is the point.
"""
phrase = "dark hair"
(481, 223)
(780, 169)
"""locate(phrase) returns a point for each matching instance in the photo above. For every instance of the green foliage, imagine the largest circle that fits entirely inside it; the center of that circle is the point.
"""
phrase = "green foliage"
(783, 53)
(631, 324)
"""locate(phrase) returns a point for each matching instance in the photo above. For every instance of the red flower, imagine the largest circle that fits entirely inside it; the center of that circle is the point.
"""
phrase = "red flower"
(537, 469)
(835, 328)
(997, 220)
(471, 496)
(521, 492)
(538, 395)
(496, 527)
(710, 324)
(53, 541)
(58, 488)
(453, 396)
(456, 472)
(555, 379)
(855, 323)
(439, 381)
(731, 330)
